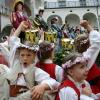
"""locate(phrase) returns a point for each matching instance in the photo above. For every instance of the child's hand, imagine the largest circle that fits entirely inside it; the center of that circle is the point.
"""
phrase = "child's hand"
(24, 25)
(87, 91)
(84, 23)
(38, 91)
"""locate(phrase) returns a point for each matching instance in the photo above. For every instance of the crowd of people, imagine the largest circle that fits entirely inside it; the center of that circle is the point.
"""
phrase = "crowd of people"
(27, 70)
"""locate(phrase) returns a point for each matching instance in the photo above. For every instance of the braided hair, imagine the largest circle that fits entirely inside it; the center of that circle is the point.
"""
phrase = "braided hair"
(45, 51)
(81, 43)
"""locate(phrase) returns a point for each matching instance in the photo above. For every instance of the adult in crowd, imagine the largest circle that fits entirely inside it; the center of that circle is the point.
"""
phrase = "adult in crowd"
(17, 16)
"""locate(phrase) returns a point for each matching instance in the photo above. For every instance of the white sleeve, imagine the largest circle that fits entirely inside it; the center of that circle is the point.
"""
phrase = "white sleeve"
(84, 97)
(13, 43)
(43, 77)
(68, 93)
(3, 72)
(93, 50)
(59, 73)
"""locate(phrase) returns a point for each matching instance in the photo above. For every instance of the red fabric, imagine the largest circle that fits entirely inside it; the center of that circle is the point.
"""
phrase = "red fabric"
(68, 83)
(93, 73)
(94, 79)
(3, 60)
(95, 88)
(49, 68)
(19, 19)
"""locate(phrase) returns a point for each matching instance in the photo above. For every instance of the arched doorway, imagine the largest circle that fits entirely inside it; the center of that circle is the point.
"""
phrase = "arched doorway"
(72, 20)
(92, 19)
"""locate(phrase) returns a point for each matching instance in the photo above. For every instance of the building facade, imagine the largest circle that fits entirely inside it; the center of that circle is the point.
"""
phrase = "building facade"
(72, 11)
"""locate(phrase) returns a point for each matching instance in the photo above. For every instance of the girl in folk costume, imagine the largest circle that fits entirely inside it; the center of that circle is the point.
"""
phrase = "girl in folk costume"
(45, 55)
(23, 74)
(17, 16)
(82, 44)
(74, 87)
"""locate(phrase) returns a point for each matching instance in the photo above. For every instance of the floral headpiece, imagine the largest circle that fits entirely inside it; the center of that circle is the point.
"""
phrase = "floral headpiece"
(70, 63)
(33, 47)
(45, 50)
(51, 47)
(84, 41)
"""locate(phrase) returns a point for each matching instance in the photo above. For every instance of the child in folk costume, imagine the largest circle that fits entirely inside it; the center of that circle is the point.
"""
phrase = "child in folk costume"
(82, 43)
(74, 86)
(45, 55)
(23, 74)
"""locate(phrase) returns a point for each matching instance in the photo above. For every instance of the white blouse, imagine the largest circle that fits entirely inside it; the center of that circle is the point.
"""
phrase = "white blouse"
(94, 49)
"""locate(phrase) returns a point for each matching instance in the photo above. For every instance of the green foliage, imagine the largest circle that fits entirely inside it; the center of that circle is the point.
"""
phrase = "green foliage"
(60, 55)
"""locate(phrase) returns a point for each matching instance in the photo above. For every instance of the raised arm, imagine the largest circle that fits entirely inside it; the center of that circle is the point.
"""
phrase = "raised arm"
(94, 38)
(14, 41)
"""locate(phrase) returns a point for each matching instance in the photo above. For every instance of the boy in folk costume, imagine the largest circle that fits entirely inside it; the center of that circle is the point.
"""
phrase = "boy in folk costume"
(82, 43)
(23, 74)
(45, 55)
(74, 87)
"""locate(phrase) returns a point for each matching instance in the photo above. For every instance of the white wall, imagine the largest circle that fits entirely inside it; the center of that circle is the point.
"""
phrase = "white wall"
(4, 21)
(35, 4)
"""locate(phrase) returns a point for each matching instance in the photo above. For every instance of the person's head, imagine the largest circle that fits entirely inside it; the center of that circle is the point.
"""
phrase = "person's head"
(41, 11)
(27, 53)
(82, 43)
(46, 51)
(75, 66)
(18, 6)
(54, 20)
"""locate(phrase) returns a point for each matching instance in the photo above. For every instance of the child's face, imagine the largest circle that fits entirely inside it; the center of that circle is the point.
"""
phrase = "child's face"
(79, 72)
(26, 57)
